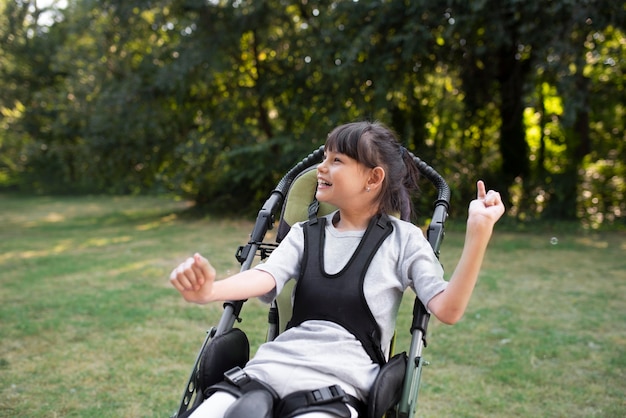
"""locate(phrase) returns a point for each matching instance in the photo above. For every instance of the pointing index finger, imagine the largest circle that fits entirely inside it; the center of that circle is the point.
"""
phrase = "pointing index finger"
(481, 193)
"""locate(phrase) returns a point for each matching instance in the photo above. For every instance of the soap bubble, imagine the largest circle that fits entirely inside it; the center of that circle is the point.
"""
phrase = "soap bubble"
(554, 240)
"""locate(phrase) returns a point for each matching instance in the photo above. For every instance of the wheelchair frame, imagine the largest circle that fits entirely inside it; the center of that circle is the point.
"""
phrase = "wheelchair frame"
(256, 247)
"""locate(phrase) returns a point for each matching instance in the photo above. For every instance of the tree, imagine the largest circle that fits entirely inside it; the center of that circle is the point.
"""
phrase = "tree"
(215, 100)
(27, 48)
(582, 61)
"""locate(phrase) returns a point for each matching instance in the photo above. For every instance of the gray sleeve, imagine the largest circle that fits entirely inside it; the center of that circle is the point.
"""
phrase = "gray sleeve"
(424, 271)
(284, 262)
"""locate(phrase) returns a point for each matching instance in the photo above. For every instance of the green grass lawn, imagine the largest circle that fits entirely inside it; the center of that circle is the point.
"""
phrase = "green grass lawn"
(89, 326)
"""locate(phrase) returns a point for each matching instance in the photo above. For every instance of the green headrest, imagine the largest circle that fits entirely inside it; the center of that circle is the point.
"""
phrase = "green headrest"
(300, 196)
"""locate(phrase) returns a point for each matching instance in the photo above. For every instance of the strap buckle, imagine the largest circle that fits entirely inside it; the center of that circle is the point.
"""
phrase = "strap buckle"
(326, 395)
(236, 376)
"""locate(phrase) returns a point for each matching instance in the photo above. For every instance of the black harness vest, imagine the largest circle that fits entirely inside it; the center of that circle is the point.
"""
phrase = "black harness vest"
(339, 297)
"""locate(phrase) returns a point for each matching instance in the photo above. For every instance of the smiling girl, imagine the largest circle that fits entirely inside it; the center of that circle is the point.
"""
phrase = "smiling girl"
(351, 267)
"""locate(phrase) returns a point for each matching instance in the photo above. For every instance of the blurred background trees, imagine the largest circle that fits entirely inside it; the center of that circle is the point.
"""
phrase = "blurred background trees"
(214, 100)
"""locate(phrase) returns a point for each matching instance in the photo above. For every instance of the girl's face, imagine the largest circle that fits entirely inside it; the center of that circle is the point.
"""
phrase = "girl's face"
(341, 180)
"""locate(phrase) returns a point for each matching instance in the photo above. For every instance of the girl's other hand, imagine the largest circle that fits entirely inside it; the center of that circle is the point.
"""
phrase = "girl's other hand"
(194, 279)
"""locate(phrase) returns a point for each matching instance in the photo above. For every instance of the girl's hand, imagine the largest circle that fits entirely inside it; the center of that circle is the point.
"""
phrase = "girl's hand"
(487, 208)
(194, 279)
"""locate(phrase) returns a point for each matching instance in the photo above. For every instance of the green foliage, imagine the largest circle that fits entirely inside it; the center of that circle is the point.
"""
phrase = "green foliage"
(216, 100)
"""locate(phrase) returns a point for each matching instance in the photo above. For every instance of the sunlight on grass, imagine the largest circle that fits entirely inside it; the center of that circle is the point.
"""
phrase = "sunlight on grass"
(92, 328)
(151, 225)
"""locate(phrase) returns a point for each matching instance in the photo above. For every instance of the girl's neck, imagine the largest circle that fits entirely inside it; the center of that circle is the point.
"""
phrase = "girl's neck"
(352, 221)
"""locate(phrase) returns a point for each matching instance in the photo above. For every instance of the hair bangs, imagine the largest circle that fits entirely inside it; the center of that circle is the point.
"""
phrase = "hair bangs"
(350, 140)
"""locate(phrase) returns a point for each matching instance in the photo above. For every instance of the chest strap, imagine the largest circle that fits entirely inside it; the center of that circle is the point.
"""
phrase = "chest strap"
(339, 297)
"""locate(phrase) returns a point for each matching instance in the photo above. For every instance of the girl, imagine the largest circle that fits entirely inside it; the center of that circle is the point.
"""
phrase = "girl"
(367, 175)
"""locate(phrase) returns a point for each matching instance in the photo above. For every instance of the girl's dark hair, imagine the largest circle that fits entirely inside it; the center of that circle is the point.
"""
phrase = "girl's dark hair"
(374, 145)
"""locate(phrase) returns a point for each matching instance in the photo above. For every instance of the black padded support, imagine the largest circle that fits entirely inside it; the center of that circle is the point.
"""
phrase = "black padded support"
(228, 350)
(257, 404)
(254, 397)
(387, 387)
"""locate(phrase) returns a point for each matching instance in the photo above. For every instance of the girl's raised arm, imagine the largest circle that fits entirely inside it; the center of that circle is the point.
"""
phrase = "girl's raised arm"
(449, 305)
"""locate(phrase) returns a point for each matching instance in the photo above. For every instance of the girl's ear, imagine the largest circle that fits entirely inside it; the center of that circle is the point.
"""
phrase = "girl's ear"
(375, 180)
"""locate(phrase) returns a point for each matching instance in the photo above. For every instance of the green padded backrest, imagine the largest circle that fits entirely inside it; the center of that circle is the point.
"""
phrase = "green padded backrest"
(300, 195)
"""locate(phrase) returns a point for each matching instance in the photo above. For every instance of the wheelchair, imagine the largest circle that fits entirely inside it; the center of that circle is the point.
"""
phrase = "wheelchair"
(225, 347)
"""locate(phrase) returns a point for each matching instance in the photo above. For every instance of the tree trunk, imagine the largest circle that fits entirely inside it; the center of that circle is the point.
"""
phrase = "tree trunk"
(512, 142)
(564, 197)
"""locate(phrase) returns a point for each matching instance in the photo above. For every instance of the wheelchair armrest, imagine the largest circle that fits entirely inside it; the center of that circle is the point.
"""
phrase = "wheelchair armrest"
(421, 317)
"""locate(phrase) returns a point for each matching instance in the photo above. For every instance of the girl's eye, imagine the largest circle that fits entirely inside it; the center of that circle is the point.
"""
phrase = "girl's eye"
(333, 159)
